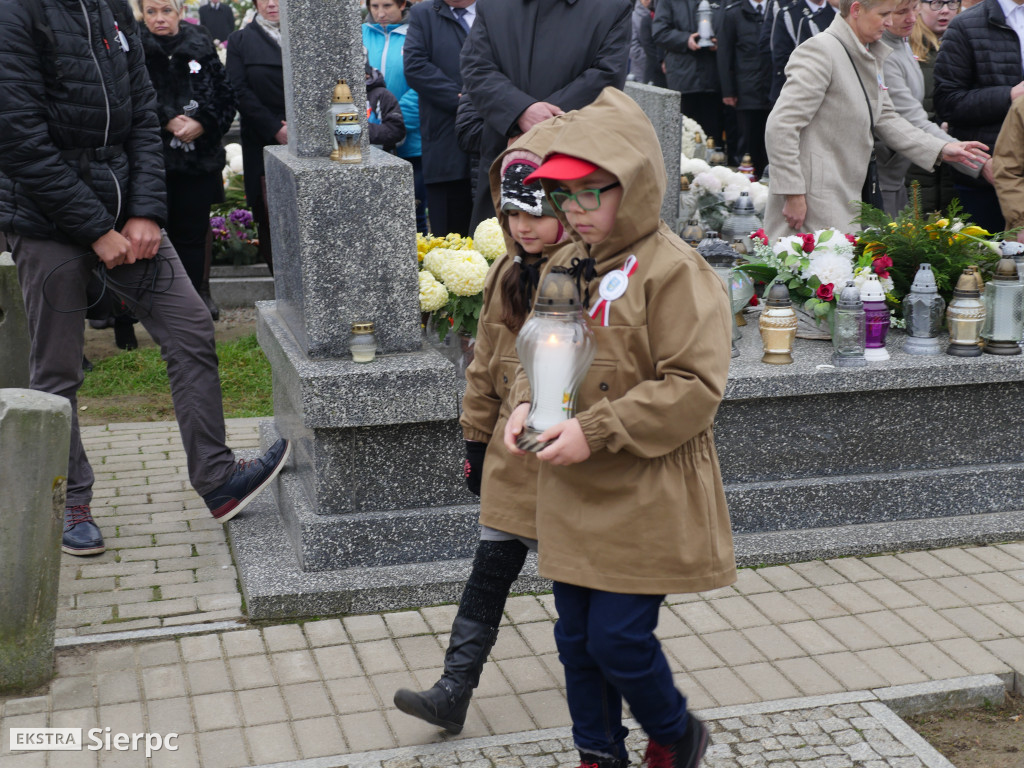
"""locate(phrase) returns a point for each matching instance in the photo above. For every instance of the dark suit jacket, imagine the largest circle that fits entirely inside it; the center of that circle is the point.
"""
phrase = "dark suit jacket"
(522, 51)
(432, 48)
(220, 21)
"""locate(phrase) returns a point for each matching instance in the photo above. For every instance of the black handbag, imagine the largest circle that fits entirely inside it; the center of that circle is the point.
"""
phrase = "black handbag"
(871, 192)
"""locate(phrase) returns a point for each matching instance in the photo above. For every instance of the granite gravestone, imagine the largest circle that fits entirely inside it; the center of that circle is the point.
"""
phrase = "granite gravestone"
(373, 509)
(14, 337)
(661, 105)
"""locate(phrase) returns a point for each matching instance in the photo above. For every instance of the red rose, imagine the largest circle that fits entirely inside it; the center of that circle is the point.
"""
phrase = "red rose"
(760, 237)
(808, 243)
(881, 266)
(852, 239)
(824, 292)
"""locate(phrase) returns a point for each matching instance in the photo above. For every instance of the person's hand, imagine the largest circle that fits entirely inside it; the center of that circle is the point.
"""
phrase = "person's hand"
(281, 137)
(566, 444)
(1017, 91)
(795, 211)
(729, 101)
(971, 153)
(113, 249)
(691, 43)
(988, 172)
(536, 113)
(514, 428)
(175, 124)
(664, 69)
(190, 130)
(144, 236)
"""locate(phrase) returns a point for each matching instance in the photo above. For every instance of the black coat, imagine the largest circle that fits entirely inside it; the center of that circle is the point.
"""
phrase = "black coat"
(220, 21)
(170, 70)
(739, 67)
(257, 75)
(384, 115)
(686, 71)
(431, 55)
(977, 65)
(99, 97)
(522, 51)
(786, 25)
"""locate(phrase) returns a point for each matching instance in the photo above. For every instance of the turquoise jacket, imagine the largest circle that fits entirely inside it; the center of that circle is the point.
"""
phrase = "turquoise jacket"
(384, 46)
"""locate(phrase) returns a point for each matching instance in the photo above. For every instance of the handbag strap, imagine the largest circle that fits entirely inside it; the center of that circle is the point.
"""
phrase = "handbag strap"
(871, 113)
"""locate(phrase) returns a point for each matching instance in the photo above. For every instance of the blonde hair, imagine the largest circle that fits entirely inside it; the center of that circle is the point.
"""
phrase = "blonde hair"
(923, 42)
(846, 5)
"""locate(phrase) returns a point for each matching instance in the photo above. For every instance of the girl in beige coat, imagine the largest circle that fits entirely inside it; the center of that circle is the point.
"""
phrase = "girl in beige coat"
(630, 504)
(508, 488)
(819, 135)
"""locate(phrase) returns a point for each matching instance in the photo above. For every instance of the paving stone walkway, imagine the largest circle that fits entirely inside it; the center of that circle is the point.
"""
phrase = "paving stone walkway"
(322, 689)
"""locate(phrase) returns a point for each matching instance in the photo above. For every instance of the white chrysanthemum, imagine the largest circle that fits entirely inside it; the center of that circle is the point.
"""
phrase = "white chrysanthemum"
(464, 272)
(862, 274)
(785, 244)
(433, 259)
(708, 182)
(693, 166)
(835, 241)
(235, 164)
(233, 149)
(759, 197)
(829, 267)
(731, 193)
(722, 173)
(489, 239)
(433, 295)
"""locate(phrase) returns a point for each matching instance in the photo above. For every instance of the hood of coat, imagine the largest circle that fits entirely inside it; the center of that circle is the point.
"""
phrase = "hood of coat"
(386, 29)
(375, 78)
(535, 141)
(191, 42)
(615, 134)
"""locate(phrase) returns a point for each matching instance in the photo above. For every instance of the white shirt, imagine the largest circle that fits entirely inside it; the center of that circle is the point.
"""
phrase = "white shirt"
(757, 6)
(1015, 20)
(815, 7)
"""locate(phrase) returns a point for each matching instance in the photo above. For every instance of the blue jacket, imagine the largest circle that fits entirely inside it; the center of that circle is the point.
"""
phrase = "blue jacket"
(384, 47)
(432, 66)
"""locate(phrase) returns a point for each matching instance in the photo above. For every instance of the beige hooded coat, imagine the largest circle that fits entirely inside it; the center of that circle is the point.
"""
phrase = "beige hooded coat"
(508, 489)
(819, 132)
(646, 513)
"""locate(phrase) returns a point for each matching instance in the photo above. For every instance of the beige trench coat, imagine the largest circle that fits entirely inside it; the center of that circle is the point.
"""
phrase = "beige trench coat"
(819, 133)
(646, 513)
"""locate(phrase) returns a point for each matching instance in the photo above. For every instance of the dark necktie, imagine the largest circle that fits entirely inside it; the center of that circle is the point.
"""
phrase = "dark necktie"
(460, 16)
(760, 11)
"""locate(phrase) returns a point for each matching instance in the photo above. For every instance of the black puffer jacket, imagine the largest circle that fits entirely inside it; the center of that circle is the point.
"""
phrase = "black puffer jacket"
(171, 62)
(48, 188)
(686, 71)
(977, 65)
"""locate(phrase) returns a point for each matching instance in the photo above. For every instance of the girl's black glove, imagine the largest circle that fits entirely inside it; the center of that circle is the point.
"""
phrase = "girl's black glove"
(474, 465)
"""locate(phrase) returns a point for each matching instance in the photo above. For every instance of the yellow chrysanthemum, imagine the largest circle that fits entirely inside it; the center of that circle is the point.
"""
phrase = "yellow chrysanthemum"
(489, 238)
(434, 258)
(463, 272)
(433, 295)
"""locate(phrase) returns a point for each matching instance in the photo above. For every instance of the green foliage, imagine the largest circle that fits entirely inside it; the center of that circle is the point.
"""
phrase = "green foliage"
(464, 314)
(948, 243)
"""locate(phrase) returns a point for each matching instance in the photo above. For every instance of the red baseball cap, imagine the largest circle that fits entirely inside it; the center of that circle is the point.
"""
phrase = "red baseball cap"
(563, 167)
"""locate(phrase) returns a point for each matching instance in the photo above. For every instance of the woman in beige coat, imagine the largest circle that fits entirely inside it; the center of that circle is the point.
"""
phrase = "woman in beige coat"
(819, 135)
(506, 484)
(630, 503)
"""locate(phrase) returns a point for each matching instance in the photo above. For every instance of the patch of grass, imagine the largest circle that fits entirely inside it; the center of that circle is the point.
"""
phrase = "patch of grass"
(133, 386)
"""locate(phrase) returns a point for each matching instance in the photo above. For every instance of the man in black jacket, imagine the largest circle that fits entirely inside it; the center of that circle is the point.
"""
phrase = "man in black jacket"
(82, 193)
(787, 24)
(741, 76)
(528, 60)
(218, 18)
(437, 30)
(977, 76)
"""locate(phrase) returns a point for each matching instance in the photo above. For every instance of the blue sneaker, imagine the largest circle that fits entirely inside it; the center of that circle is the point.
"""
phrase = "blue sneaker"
(249, 479)
(81, 536)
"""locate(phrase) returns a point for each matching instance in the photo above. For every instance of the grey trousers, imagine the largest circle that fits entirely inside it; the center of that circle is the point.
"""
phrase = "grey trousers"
(53, 279)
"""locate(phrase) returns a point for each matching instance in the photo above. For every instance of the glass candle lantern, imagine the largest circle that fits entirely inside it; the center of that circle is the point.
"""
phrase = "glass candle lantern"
(687, 201)
(556, 348)
(876, 320)
(693, 232)
(714, 155)
(778, 326)
(705, 32)
(742, 222)
(722, 258)
(746, 167)
(923, 309)
(345, 127)
(848, 329)
(964, 317)
(1004, 310)
(742, 286)
(362, 343)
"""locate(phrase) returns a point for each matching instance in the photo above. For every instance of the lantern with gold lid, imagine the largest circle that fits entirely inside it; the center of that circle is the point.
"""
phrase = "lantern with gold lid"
(345, 127)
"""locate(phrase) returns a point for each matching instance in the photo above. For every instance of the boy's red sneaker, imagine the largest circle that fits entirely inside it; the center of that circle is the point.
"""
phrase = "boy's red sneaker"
(588, 760)
(685, 753)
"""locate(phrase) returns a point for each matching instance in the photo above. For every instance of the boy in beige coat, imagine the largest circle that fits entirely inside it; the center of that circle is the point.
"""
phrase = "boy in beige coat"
(630, 504)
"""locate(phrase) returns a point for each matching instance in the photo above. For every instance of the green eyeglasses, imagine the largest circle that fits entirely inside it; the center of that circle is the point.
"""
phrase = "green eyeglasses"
(587, 199)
